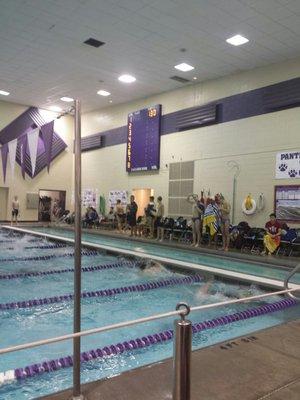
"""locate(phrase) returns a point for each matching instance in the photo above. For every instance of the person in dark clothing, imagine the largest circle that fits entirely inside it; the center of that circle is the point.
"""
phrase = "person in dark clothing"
(132, 208)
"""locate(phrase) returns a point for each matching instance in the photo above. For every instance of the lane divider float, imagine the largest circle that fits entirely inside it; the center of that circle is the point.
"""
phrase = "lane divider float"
(49, 256)
(139, 343)
(91, 268)
(103, 293)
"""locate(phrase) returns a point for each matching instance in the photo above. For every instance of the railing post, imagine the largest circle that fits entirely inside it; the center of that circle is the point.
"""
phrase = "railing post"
(182, 355)
(77, 255)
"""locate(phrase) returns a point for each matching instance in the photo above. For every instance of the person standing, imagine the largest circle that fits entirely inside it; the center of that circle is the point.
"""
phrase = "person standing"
(197, 214)
(131, 215)
(119, 215)
(225, 209)
(151, 214)
(15, 210)
(160, 211)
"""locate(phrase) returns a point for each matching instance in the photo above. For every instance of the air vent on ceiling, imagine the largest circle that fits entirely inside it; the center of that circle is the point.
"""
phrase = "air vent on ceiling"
(179, 79)
(93, 42)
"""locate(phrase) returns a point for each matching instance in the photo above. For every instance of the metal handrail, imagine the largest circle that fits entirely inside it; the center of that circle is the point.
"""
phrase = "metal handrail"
(180, 312)
(287, 279)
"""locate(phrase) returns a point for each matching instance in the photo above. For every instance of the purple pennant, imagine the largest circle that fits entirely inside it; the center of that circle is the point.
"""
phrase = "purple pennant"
(4, 154)
(22, 142)
(47, 131)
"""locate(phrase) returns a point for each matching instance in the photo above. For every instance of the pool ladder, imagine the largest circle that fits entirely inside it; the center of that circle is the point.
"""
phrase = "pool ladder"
(287, 280)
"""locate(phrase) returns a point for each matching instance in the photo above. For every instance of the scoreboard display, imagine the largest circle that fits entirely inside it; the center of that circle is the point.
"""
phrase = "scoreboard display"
(143, 140)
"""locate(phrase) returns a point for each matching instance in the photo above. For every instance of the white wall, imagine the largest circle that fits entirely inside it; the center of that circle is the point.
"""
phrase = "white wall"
(251, 142)
(61, 170)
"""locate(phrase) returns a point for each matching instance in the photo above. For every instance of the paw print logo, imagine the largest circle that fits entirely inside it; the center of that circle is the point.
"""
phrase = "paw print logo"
(293, 173)
(282, 167)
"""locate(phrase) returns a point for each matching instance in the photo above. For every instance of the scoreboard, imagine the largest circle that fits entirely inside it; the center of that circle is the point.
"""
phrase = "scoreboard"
(143, 140)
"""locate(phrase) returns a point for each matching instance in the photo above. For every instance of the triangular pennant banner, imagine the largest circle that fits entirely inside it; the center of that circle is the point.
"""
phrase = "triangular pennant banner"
(47, 131)
(4, 154)
(12, 149)
(23, 147)
(33, 139)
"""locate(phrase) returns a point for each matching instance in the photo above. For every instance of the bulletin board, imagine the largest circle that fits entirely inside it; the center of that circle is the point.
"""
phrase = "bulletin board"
(287, 203)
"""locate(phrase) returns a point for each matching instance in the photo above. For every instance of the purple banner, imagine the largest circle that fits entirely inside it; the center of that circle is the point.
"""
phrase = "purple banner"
(22, 142)
(4, 154)
(47, 131)
(143, 140)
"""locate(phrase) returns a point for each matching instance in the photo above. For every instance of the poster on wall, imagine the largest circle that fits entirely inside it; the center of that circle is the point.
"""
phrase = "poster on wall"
(288, 165)
(115, 195)
(90, 198)
(287, 203)
(143, 140)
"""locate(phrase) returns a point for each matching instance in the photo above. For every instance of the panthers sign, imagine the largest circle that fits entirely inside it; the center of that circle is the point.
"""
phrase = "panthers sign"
(288, 165)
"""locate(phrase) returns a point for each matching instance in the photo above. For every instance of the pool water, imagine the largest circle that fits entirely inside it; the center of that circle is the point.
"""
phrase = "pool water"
(44, 321)
(261, 270)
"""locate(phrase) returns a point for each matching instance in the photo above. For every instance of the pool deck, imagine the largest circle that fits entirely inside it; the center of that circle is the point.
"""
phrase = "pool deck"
(261, 366)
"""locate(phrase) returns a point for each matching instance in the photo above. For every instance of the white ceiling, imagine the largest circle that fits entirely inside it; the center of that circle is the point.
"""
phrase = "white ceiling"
(42, 55)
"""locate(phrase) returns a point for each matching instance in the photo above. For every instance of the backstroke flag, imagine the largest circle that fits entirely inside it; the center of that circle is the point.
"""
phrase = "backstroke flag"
(12, 149)
(47, 135)
(23, 147)
(4, 154)
(33, 139)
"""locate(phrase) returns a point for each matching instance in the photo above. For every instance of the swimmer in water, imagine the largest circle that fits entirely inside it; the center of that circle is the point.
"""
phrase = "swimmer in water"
(234, 293)
(150, 266)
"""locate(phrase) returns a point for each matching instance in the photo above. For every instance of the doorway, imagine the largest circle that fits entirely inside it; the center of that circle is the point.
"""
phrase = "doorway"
(52, 204)
(142, 199)
(3, 203)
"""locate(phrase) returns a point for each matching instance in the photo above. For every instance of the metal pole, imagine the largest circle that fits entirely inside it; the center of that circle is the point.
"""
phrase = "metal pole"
(77, 255)
(182, 356)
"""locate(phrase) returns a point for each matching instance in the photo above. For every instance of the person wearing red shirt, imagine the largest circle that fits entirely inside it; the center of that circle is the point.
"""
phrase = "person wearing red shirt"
(272, 236)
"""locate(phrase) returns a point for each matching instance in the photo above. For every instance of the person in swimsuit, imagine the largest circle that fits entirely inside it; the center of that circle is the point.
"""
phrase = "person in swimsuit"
(15, 210)
(197, 214)
(225, 209)
(160, 210)
(132, 208)
(120, 215)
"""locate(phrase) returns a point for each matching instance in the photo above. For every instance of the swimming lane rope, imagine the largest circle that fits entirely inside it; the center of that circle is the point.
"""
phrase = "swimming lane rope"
(42, 247)
(91, 268)
(103, 293)
(138, 343)
(48, 257)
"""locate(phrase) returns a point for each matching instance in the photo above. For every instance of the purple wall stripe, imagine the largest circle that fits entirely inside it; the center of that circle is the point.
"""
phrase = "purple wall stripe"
(260, 101)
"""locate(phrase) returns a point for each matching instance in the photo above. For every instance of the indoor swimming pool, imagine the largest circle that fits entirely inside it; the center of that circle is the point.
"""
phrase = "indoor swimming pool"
(36, 284)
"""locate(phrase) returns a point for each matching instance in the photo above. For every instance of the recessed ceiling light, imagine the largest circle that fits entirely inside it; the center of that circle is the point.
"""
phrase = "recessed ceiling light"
(127, 78)
(110, 101)
(184, 67)
(103, 93)
(195, 78)
(67, 99)
(4, 93)
(237, 40)
(55, 108)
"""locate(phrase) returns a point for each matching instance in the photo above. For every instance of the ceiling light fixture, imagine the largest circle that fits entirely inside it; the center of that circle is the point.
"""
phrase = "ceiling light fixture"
(195, 78)
(103, 93)
(127, 78)
(55, 108)
(4, 93)
(184, 67)
(237, 40)
(67, 99)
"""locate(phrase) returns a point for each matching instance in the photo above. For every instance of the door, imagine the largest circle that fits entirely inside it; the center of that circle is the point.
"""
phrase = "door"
(142, 199)
(3, 203)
